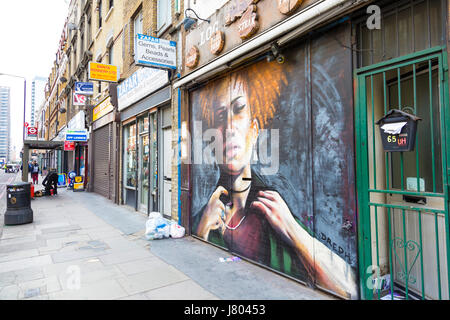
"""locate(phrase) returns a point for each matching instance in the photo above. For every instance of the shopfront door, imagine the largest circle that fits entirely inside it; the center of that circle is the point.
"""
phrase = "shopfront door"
(144, 152)
(403, 196)
(166, 163)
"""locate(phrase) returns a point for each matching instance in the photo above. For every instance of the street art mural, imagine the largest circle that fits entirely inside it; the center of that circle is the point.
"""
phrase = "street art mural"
(272, 164)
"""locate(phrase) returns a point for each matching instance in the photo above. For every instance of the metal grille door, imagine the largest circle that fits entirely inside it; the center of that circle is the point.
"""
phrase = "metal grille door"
(102, 140)
(403, 196)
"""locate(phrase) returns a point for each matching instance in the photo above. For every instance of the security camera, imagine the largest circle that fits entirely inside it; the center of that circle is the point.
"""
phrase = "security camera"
(280, 59)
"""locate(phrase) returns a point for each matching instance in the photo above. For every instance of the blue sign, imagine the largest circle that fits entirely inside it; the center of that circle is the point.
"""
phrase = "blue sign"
(84, 88)
(76, 135)
(62, 181)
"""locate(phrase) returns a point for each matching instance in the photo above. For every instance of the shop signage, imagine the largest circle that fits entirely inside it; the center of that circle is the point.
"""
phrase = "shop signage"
(236, 9)
(77, 122)
(288, 6)
(62, 180)
(32, 132)
(155, 52)
(238, 23)
(78, 184)
(192, 57)
(103, 72)
(76, 135)
(84, 88)
(102, 109)
(140, 84)
(248, 24)
(69, 145)
(217, 42)
(79, 99)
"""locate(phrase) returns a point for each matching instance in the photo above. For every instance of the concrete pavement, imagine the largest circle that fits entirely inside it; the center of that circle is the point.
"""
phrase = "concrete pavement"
(82, 246)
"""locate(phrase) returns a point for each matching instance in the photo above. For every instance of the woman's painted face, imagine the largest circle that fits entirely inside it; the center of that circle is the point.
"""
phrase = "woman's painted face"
(233, 118)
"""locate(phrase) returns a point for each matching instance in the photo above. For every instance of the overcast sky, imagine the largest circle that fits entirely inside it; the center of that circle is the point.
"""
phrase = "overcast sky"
(30, 31)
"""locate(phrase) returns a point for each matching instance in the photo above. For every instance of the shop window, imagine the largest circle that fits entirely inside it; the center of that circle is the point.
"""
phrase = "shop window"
(164, 15)
(129, 157)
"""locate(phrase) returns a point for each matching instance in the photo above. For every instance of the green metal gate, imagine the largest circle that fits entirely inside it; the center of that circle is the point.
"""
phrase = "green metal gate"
(403, 197)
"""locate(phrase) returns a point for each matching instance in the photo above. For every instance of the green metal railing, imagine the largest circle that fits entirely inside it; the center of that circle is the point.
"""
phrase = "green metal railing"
(410, 231)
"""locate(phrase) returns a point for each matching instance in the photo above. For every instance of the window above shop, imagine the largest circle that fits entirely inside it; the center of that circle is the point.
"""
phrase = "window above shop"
(406, 27)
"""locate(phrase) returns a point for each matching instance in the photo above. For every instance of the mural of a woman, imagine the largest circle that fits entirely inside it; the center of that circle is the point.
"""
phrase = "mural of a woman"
(243, 213)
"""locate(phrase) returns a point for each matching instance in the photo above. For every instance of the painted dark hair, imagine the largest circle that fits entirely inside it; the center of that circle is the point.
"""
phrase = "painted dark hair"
(261, 81)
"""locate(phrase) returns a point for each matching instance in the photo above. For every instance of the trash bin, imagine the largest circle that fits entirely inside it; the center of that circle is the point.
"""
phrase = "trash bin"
(398, 130)
(18, 204)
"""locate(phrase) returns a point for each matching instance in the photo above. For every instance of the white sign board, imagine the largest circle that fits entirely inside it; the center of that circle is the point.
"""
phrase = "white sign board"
(140, 84)
(155, 52)
(77, 122)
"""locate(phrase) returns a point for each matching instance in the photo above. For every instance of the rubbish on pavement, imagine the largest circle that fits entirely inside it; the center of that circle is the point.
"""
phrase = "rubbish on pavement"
(157, 227)
(232, 259)
(176, 231)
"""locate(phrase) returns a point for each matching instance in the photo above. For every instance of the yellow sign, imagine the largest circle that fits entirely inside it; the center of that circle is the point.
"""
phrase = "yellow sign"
(103, 72)
(101, 109)
(78, 179)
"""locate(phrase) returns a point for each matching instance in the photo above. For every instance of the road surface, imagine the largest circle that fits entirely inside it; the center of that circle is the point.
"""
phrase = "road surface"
(5, 179)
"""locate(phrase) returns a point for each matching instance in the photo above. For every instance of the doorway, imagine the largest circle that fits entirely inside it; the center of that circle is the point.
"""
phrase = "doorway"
(403, 196)
(166, 163)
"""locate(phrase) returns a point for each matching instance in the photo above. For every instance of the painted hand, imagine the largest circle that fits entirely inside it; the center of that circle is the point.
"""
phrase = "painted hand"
(213, 215)
(276, 211)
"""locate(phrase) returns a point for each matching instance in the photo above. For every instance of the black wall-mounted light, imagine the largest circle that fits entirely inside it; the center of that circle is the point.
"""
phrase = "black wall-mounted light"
(189, 21)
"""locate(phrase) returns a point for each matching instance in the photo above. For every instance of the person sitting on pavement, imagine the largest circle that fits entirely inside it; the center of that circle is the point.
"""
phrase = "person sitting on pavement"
(51, 182)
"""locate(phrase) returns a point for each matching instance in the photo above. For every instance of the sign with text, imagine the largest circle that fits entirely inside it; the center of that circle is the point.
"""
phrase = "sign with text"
(84, 88)
(103, 72)
(156, 52)
(69, 145)
(102, 109)
(140, 84)
(76, 135)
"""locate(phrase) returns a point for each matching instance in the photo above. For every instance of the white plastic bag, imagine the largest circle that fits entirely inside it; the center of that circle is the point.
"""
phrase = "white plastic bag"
(176, 231)
(156, 227)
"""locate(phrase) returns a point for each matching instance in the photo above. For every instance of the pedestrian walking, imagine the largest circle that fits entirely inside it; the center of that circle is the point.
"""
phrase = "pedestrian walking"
(34, 170)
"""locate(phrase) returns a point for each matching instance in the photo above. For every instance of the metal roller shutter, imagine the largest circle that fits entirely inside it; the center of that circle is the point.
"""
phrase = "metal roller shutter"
(102, 161)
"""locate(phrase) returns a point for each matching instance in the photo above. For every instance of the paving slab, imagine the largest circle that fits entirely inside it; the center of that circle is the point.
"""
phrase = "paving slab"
(103, 290)
(42, 286)
(20, 254)
(185, 290)
(72, 255)
(148, 280)
(116, 256)
(25, 263)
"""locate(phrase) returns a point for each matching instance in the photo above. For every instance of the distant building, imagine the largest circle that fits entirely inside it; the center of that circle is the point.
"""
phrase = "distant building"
(37, 96)
(5, 121)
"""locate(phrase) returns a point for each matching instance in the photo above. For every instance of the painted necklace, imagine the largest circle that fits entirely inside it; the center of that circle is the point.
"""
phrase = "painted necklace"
(228, 205)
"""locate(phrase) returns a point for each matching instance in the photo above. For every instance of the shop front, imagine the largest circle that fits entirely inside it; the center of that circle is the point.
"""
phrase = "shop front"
(144, 102)
(104, 141)
(403, 179)
(270, 174)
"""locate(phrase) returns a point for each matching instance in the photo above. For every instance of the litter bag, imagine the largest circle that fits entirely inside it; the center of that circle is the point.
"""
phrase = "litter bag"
(157, 227)
(176, 231)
